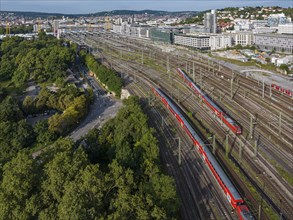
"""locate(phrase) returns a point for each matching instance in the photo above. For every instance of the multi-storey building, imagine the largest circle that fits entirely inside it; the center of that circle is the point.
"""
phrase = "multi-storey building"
(162, 35)
(210, 21)
(275, 19)
(285, 28)
(243, 38)
(220, 41)
(201, 42)
(277, 42)
(133, 30)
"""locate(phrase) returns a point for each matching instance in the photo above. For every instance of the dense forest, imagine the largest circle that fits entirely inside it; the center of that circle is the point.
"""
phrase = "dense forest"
(112, 173)
(45, 61)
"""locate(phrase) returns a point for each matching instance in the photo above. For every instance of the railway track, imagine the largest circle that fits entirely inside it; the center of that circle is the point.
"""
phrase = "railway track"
(248, 156)
(198, 184)
(178, 90)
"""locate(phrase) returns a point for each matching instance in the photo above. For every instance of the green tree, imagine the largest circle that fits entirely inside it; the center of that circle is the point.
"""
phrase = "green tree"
(9, 110)
(284, 67)
(19, 188)
(83, 198)
(61, 170)
(28, 105)
(43, 135)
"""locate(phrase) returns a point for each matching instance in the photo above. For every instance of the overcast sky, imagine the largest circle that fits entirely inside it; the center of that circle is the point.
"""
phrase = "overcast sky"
(78, 6)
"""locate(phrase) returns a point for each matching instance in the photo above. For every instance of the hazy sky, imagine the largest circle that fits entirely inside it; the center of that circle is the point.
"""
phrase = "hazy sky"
(78, 6)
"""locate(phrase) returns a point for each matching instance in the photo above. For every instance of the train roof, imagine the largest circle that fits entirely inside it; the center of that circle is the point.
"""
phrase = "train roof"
(222, 174)
(192, 83)
(245, 213)
(230, 120)
(213, 104)
(211, 158)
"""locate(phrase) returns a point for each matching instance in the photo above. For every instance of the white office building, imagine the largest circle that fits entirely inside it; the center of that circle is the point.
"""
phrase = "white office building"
(201, 42)
(132, 30)
(285, 28)
(220, 41)
(243, 38)
(278, 42)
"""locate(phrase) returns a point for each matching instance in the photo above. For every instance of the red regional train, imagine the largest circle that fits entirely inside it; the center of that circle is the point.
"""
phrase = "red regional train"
(218, 112)
(226, 185)
(280, 89)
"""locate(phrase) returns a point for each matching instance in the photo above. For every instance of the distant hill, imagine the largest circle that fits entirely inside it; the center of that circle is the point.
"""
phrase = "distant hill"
(150, 12)
(104, 13)
(29, 14)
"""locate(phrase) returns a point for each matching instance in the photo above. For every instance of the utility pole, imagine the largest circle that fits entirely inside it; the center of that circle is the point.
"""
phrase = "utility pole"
(255, 148)
(251, 127)
(200, 72)
(227, 145)
(240, 151)
(280, 123)
(179, 150)
(149, 98)
(208, 64)
(232, 79)
(193, 71)
(214, 144)
(263, 89)
(142, 55)
(168, 67)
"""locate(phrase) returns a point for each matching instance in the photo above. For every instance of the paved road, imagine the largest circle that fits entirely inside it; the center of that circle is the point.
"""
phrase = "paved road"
(102, 110)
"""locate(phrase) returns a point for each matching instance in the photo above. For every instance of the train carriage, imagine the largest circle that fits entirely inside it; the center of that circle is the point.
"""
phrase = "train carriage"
(209, 103)
(287, 92)
(226, 185)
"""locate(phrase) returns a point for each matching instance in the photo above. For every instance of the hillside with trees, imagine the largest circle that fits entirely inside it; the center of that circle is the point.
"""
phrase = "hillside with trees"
(112, 173)
(43, 61)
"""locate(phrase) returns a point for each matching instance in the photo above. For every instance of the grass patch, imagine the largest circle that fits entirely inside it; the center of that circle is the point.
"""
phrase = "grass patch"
(286, 175)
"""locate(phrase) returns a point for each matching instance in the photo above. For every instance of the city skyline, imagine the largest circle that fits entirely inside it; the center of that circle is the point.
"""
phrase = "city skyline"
(78, 7)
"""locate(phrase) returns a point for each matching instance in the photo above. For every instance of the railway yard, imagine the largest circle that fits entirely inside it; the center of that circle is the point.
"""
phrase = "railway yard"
(258, 161)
